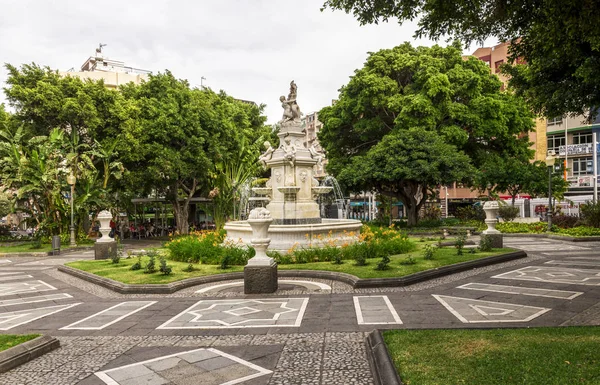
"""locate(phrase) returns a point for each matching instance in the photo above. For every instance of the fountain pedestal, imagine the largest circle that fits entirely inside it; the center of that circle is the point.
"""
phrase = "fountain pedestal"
(260, 274)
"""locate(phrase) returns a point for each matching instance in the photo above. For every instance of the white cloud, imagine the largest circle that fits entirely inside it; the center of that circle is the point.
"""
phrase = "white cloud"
(250, 49)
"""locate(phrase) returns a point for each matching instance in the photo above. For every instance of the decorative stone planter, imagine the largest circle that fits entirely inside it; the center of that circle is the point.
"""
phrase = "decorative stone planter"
(260, 274)
(105, 246)
(491, 209)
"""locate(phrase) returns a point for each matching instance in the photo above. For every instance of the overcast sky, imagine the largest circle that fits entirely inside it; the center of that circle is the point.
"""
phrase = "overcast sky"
(249, 48)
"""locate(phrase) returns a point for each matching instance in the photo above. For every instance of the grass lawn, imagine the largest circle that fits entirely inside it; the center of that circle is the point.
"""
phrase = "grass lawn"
(121, 272)
(7, 341)
(444, 256)
(536, 356)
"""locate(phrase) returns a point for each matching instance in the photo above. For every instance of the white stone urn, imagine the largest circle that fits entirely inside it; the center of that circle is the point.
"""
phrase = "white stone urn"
(491, 217)
(105, 217)
(259, 220)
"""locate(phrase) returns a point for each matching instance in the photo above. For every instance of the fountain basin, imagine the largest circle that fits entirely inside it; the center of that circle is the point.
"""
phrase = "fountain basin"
(289, 189)
(262, 190)
(321, 189)
(284, 237)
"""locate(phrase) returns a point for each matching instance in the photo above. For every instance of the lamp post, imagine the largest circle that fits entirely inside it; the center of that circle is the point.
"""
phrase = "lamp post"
(550, 163)
(71, 179)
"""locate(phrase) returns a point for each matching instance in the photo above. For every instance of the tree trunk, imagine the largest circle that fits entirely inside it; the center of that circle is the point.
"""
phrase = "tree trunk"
(412, 195)
(181, 212)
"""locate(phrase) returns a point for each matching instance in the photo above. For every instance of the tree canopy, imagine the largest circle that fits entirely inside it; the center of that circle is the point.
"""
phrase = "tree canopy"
(559, 40)
(413, 118)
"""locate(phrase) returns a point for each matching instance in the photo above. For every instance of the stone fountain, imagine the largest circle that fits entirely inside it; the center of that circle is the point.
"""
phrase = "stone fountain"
(292, 191)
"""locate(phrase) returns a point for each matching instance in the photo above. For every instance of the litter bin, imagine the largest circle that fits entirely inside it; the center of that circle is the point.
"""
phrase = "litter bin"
(55, 245)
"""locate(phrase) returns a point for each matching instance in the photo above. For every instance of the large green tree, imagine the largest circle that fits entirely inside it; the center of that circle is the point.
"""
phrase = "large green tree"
(559, 40)
(406, 93)
(182, 138)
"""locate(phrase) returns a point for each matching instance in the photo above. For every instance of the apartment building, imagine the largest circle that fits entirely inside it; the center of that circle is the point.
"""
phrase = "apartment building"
(113, 72)
(571, 139)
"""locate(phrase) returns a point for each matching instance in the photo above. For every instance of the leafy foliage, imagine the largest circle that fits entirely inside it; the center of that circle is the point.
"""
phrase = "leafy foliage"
(138, 264)
(590, 213)
(508, 213)
(485, 243)
(384, 263)
(558, 41)
(461, 239)
(415, 118)
(151, 265)
(163, 267)
(429, 252)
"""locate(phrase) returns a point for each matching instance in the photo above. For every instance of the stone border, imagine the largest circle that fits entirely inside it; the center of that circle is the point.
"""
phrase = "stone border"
(27, 351)
(382, 366)
(349, 279)
(553, 236)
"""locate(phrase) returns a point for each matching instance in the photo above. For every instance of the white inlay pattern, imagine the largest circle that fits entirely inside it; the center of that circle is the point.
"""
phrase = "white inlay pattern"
(375, 310)
(574, 262)
(475, 311)
(13, 277)
(39, 298)
(555, 275)
(531, 291)
(240, 313)
(11, 288)
(201, 366)
(109, 316)
(13, 319)
(310, 285)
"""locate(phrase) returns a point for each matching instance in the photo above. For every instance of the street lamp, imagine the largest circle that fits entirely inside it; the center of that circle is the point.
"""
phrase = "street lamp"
(71, 181)
(550, 163)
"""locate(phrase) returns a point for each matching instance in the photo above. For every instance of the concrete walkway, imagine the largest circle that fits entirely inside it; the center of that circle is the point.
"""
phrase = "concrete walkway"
(310, 332)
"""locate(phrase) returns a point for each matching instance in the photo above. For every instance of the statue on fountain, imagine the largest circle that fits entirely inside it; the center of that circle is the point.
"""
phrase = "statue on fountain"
(291, 110)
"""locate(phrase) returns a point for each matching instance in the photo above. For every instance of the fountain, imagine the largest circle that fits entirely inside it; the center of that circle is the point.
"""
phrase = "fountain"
(292, 192)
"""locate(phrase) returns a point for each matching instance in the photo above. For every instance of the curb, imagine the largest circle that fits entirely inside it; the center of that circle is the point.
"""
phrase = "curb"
(382, 366)
(349, 279)
(553, 236)
(44, 253)
(27, 351)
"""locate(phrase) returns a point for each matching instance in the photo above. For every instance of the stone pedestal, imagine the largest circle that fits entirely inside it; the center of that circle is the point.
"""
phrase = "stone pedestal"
(105, 250)
(260, 274)
(496, 240)
(260, 279)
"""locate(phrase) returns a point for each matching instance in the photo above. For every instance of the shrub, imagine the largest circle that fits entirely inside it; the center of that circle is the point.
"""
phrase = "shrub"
(37, 244)
(337, 260)
(200, 246)
(430, 223)
(137, 265)
(432, 213)
(473, 250)
(189, 268)
(565, 221)
(461, 239)
(508, 212)
(225, 261)
(590, 212)
(580, 231)
(530, 228)
(383, 264)
(429, 252)
(151, 265)
(408, 261)
(116, 258)
(485, 244)
(164, 268)
(468, 213)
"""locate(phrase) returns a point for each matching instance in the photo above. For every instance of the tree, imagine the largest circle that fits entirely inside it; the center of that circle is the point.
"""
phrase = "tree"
(559, 41)
(180, 136)
(405, 165)
(405, 94)
(518, 176)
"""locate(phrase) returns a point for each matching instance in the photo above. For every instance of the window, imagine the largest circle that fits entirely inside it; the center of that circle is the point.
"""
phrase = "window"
(497, 65)
(583, 166)
(553, 121)
(554, 141)
(582, 137)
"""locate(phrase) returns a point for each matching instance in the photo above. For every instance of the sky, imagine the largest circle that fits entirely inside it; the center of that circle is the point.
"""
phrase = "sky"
(251, 49)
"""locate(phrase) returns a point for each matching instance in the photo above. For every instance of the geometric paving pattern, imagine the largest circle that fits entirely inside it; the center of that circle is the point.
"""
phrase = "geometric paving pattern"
(39, 298)
(13, 319)
(200, 366)
(240, 313)
(11, 288)
(531, 291)
(109, 316)
(555, 275)
(476, 311)
(375, 310)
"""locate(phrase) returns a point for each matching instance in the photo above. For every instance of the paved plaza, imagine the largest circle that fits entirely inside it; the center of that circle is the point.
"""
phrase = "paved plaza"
(310, 332)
